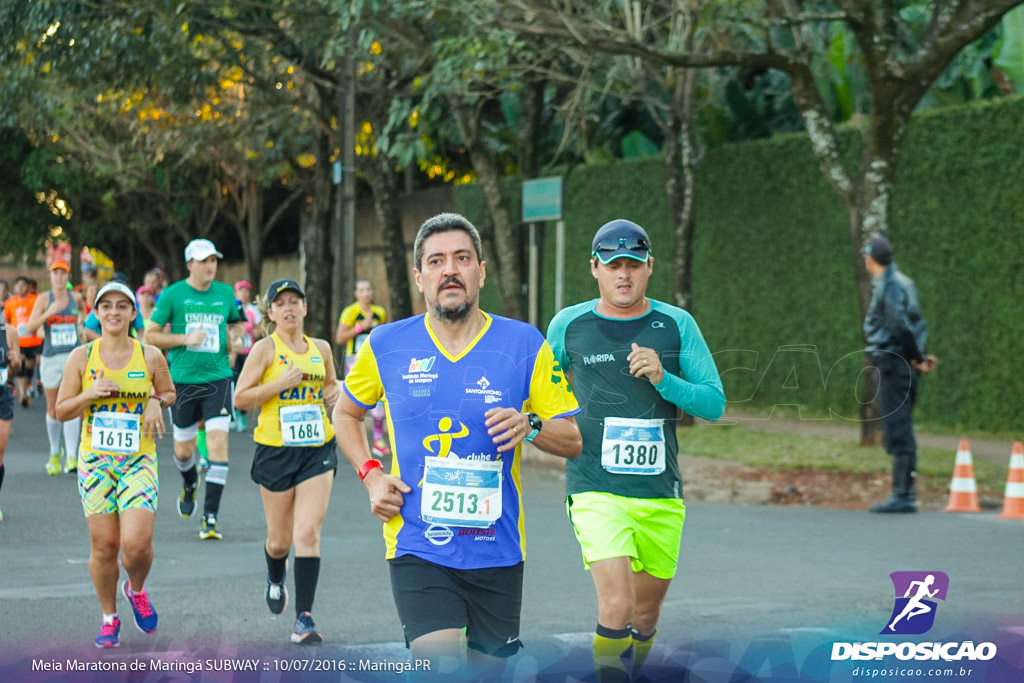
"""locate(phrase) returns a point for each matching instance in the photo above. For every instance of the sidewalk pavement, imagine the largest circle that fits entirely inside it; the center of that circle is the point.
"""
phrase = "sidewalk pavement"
(989, 449)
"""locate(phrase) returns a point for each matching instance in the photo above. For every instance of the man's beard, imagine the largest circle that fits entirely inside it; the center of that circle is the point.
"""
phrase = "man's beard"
(455, 314)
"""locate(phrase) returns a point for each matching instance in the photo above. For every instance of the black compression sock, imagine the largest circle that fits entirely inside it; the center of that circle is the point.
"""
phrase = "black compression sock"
(307, 572)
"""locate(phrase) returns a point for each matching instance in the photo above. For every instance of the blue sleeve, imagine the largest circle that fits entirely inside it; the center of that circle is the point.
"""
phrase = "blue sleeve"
(699, 390)
(138, 323)
(93, 323)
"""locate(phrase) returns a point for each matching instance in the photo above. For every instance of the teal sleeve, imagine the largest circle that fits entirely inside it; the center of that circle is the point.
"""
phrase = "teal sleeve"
(556, 334)
(699, 390)
(556, 338)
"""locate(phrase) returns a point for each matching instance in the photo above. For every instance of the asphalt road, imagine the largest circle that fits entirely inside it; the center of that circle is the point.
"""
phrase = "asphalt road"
(748, 575)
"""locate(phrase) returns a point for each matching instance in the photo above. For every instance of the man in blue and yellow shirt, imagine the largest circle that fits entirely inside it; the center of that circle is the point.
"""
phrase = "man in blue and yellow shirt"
(461, 389)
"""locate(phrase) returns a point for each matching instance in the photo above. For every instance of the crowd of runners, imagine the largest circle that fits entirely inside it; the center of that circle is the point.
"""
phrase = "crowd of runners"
(454, 393)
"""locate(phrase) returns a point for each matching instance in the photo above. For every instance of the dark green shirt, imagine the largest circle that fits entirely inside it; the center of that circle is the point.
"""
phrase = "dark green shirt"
(593, 350)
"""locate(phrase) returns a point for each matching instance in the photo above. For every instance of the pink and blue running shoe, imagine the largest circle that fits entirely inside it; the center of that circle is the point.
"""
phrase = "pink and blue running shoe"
(145, 615)
(108, 634)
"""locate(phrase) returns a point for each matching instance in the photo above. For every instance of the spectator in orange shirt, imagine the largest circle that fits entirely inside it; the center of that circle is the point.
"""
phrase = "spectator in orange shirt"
(17, 311)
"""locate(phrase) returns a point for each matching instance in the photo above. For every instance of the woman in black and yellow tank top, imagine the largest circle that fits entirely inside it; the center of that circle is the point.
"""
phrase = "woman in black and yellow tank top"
(291, 377)
(121, 387)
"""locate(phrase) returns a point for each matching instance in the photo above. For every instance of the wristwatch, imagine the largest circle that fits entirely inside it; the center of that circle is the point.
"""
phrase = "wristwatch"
(536, 424)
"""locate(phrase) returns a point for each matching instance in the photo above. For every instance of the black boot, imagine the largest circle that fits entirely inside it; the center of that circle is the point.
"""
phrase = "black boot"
(903, 498)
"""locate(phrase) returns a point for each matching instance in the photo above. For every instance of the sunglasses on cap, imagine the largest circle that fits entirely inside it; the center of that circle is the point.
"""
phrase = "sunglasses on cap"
(614, 244)
(610, 249)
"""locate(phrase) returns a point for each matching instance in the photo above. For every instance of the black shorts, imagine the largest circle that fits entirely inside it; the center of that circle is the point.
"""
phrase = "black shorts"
(487, 602)
(29, 354)
(6, 403)
(279, 468)
(197, 402)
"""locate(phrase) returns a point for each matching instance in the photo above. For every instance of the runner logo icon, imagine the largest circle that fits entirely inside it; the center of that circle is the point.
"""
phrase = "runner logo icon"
(914, 609)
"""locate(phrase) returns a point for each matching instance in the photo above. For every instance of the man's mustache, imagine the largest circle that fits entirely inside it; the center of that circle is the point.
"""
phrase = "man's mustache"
(449, 281)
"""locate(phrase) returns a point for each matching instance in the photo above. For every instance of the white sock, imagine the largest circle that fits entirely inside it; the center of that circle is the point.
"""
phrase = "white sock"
(109, 618)
(53, 434)
(72, 434)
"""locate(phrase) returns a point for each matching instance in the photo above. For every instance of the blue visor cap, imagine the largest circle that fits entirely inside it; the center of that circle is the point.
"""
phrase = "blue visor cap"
(620, 238)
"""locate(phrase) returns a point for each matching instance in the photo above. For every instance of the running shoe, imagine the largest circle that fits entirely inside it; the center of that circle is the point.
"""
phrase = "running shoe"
(277, 595)
(187, 501)
(305, 632)
(53, 464)
(25, 401)
(107, 636)
(71, 463)
(208, 528)
(380, 447)
(145, 615)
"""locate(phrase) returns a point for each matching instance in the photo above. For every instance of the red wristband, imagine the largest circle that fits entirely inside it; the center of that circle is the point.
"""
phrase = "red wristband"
(370, 464)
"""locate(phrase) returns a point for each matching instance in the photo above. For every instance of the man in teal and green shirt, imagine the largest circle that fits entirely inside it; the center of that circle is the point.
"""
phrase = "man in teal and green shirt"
(204, 328)
(635, 365)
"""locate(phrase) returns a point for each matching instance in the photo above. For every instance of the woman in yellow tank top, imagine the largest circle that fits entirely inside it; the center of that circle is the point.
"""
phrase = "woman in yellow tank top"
(291, 377)
(121, 387)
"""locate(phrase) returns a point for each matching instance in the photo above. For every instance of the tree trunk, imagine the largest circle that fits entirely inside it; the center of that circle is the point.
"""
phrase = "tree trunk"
(506, 237)
(175, 266)
(316, 245)
(531, 109)
(681, 160)
(252, 243)
(384, 183)
(870, 216)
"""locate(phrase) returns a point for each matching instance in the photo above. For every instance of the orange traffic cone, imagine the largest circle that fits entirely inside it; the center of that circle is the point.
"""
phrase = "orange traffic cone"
(963, 492)
(1013, 499)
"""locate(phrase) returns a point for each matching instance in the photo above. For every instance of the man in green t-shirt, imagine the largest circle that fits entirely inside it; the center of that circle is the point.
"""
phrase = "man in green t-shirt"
(634, 364)
(204, 328)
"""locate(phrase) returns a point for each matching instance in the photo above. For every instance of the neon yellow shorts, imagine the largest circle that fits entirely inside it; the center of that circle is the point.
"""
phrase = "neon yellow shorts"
(646, 530)
(109, 483)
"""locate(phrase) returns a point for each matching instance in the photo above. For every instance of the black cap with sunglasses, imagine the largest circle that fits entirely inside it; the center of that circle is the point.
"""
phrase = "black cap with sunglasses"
(620, 238)
(279, 286)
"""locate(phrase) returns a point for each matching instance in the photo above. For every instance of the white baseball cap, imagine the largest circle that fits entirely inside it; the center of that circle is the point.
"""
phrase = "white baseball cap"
(116, 287)
(200, 250)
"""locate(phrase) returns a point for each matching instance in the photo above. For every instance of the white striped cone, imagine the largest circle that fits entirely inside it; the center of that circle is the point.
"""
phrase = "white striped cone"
(1013, 499)
(963, 492)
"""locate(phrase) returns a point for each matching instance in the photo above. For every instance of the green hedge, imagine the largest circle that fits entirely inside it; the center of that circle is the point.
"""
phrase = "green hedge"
(773, 281)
